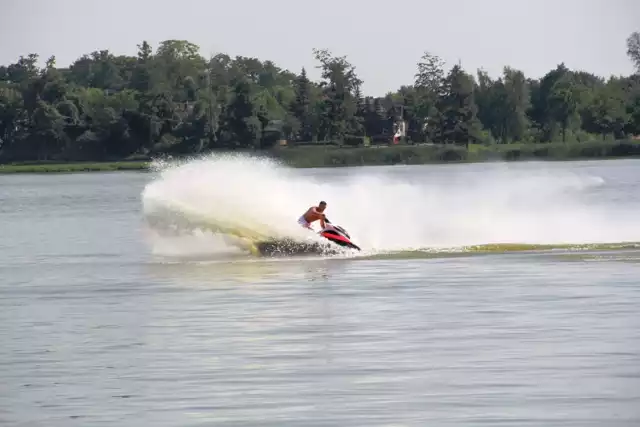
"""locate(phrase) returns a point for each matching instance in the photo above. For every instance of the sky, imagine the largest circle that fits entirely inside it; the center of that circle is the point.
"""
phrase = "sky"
(383, 39)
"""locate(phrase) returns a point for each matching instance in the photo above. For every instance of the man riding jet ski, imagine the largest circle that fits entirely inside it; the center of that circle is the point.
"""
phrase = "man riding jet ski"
(333, 233)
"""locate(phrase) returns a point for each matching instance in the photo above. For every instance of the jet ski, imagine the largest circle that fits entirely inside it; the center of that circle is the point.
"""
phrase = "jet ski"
(333, 233)
(337, 235)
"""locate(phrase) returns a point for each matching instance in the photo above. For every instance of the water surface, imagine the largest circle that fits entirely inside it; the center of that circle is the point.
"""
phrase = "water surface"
(97, 328)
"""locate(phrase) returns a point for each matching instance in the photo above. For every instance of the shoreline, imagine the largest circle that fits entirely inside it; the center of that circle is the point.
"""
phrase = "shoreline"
(73, 167)
(326, 156)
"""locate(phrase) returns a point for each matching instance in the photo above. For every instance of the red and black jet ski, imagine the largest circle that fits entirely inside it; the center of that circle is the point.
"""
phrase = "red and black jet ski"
(338, 235)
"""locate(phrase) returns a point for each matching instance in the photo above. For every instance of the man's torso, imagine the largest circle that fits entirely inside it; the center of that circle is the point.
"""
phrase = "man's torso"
(312, 215)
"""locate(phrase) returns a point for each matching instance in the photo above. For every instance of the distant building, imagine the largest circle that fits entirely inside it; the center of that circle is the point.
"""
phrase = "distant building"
(399, 124)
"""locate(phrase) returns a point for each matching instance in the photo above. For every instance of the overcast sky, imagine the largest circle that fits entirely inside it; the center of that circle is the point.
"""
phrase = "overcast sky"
(383, 39)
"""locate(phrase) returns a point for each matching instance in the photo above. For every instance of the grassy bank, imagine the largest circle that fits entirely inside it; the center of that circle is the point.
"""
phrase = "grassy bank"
(72, 167)
(430, 154)
(333, 156)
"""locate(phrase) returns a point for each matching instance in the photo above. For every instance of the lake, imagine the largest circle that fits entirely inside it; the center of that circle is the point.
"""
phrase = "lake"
(103, 322)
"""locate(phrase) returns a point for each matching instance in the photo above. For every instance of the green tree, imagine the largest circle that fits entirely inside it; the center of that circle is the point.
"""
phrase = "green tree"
(563, 103)
(518, 103)
(302, 107)
(173, 100)
(633, 49)
(12, 113)
(607, 113)
(541, 109)
(24, 70)
(429, 87)
(141, 73)
(47, 125)
(457, 110)
(340, 84)
(241, 126)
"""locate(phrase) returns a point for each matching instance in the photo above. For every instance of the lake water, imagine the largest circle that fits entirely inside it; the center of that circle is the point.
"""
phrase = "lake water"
(99, 325)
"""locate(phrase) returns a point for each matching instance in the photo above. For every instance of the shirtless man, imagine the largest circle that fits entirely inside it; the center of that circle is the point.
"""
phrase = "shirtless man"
(314, 214)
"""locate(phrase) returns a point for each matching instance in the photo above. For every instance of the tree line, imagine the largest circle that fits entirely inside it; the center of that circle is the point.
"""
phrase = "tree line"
(174, 100)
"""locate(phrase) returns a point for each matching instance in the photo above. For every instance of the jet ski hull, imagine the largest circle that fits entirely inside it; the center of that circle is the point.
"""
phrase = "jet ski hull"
(339, 239)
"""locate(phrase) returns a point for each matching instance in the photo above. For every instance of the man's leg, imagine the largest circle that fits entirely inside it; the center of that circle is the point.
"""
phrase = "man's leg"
(304, 223)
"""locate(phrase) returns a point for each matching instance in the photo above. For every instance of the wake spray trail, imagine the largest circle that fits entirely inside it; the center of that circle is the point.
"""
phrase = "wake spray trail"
(393, 209)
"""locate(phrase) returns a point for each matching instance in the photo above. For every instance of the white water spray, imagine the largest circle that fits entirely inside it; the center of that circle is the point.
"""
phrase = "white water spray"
(399, 208)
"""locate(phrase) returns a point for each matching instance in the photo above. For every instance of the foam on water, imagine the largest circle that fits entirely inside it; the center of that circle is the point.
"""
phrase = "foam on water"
(392, 212)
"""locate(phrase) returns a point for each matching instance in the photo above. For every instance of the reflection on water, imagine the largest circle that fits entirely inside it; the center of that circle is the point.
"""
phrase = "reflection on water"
(234, 268)
(247, 271)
